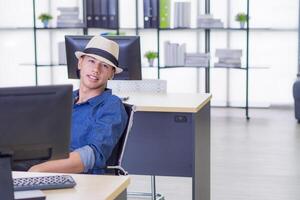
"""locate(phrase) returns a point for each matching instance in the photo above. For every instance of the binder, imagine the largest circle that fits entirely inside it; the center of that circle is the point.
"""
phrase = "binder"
(164, 13)
(113, 14)
(89, 13)
(104, 13)
(154, 14)
(100, 13)
(147, 14)
(177, 14)
(96, 13)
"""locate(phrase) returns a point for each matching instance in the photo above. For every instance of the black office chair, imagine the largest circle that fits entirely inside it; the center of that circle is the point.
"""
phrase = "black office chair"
(114, 163)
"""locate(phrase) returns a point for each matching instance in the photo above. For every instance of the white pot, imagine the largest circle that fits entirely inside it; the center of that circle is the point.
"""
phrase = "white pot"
(151, 61)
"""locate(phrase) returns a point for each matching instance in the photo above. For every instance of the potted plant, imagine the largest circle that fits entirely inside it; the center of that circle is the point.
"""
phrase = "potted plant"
(150, 55)
(242, 18)
(44, 17)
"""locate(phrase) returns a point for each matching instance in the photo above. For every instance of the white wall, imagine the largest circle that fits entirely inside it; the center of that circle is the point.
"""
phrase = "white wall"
(273, 52)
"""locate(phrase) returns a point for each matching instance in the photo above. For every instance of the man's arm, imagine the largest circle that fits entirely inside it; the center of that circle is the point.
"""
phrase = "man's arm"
(73, 164)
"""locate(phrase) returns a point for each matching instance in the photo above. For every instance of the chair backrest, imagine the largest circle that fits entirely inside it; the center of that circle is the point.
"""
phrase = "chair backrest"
(117, 154)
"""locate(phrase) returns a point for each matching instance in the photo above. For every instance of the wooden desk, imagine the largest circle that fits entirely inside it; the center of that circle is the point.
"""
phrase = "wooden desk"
(89, 187)
(171, 137)
(169, 102)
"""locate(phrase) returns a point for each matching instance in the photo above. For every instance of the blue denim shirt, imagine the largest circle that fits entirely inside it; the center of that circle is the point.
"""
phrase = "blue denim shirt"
(97, 125)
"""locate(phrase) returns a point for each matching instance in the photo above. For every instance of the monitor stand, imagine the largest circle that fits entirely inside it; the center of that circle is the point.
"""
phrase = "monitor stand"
(7, 187)
(6, 181)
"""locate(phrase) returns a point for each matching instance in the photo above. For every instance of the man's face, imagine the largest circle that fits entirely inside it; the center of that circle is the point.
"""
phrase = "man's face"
(94, 74)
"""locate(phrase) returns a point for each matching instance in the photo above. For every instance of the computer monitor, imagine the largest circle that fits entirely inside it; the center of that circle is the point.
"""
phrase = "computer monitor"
(35, 123)
(129, 55)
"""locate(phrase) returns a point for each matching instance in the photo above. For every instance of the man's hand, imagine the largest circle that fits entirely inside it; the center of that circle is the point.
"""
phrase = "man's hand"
(73, 164)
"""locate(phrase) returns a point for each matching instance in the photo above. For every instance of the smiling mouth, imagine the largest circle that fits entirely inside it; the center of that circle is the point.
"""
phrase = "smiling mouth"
(93, 77)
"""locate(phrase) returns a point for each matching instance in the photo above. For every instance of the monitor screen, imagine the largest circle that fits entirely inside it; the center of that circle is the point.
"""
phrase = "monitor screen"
(35, 122)
(129, 55)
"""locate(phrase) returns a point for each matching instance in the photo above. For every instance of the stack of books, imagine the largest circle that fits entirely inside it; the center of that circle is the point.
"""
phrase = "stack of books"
(207, 21)
(174, 54)
(69, 17)
(182, 15)
(197, 59)
(229, 58)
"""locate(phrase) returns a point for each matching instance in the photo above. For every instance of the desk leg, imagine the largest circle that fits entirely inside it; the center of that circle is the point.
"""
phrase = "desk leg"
(201, 177)
(122, 196)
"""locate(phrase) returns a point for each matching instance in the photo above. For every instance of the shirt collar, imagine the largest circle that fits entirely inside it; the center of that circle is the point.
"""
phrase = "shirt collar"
(94, 100)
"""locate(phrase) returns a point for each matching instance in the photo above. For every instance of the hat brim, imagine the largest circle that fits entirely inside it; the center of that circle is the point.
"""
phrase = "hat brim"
(78, 54)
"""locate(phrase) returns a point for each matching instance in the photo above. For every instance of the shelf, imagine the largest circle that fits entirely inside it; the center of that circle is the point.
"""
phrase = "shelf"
(150, 29)
(50, 65)
(58, 28)
(155, 29)
(16, 28)
(42, 65)
(170, 67)
(275, 29)
(38, 28)
(220, 29)
(212, 67)
(193, 29)
(111, 29)
(189, 29)
(207, 32)
(154, 67)
(241, 68)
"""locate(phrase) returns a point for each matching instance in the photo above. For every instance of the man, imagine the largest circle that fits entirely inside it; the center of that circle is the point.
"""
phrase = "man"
(98, 118)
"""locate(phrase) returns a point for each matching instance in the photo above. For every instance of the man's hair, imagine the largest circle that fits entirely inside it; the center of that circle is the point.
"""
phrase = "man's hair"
(78, 73)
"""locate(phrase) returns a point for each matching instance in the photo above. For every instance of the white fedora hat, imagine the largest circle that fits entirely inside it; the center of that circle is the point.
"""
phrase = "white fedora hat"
(102, 49)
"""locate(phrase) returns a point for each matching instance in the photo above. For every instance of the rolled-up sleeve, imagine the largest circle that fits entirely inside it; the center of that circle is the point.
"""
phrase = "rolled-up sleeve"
(87, 157)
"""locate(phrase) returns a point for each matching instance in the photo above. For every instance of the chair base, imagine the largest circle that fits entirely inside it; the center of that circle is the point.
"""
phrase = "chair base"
(153, 194)
(146, 195)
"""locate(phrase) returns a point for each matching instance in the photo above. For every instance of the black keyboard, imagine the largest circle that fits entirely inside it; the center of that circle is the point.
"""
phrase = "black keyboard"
(44, 183)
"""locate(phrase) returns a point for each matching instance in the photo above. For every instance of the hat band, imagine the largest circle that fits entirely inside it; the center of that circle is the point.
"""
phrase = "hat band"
(102, 53)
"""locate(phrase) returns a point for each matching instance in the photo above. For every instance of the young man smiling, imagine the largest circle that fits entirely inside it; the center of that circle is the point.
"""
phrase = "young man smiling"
(98, 118)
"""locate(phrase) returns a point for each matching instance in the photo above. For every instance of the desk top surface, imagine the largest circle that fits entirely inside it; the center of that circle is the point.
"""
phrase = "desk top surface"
(168, 102)
(91, 187)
